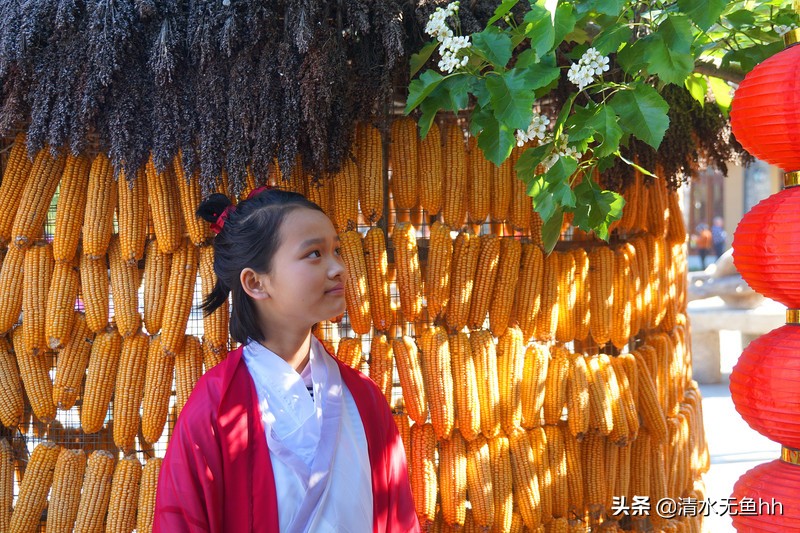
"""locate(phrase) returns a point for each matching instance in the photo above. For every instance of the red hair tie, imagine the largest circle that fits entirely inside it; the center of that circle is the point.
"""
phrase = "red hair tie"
(217, 226)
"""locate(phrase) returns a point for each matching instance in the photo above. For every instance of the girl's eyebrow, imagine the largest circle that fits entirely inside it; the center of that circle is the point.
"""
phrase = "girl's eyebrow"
(317, 240)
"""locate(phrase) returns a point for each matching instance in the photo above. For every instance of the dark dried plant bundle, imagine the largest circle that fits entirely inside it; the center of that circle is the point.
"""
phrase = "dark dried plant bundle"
(68, 15)
(290, 108)
(211, 107)
(355, 17)
(10, 15)
(267, 121)
(301, 17)
(14, 108)
(242, 113)
(146, 8)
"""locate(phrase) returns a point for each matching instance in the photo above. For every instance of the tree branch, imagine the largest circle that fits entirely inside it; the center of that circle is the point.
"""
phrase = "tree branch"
(732, 74)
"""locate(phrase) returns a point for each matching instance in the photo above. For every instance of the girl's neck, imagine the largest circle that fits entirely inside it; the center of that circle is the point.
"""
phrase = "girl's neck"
(291, 346)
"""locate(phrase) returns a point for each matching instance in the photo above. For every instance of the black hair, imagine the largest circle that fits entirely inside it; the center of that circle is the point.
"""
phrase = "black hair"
(249, 238)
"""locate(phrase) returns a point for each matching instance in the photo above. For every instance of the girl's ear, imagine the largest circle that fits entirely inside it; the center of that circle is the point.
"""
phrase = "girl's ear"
(254, 284)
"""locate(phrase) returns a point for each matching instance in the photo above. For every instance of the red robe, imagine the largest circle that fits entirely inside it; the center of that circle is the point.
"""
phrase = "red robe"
(217, 473)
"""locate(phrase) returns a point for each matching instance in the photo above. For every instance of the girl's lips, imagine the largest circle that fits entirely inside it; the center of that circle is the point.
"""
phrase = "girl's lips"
(339, 289)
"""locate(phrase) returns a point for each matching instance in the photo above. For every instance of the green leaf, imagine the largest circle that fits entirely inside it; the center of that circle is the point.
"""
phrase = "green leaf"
(610, 39)
(577, 125)
(551, 230)
(532, 158)
(704, 13)
(564, 22)
(541, 74)
(479, 118)
(722, 93)
(631, 57)
(437, 100)
(539, 29)
(458, 89)
(606, 7)
(742, 17)
(542, 200)
(511, 98)
(496, 140)
(419, 59)
(420, 88)
(494, 45)
(676, 30)
(502, 10)
(604, 121)
(697, 87)
(563, 115)
(637, 167)
(597, 209)
(643, 113)
(670, 66)
(481, 93)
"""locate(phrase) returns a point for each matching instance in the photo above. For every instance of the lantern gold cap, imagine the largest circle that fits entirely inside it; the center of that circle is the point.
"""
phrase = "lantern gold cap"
(793, 316)
(791, 179)
(790, 455)
(791, 37)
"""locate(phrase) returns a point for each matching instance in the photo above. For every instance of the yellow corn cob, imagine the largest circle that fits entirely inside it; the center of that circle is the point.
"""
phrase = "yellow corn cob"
(643, 296)
(430, 171)
(403, 160)
(38, 274)
(483, 291)
(567, 297)
(182, 278)
(94, 292)
(66, 492)
(641, 464)
(156, 281)
(349, 352)
(157, 388)
(35, 485)
(467, 395)
(11, 400)
(624, 297)
(556, 385)
(147, 495)
(96, 492)
(71, 364)
(620, 432)
(71, 206)
(409, 278)
(15, 175)
(581, 311)
(601, 293)
(627, 399)
(423, 471)
(165, 207)
(188, 369)
(485, 357)
(454, 209)
(124, 495)
(34, 371)
(124, 290)
(369, 156)
(538, 442)
(60, 310)
(623, 478)
(129, 390)
(526, 481)
(380, 303)
(611, 471)
(320, 191)
(403, 428)
(593, 451)
(356, 289)
(437, 275)
(101, 376)
(508, 272)
(647, 404)
(381, 362)
(6, 483)
(213, 356)
(557, 457)
(657, 207)
(101, 201)
(532, 388)
(676, 228)
(132, 214)
(345, 196)
(215, 325)
(519, 213)
(578, 409)
(462, 279)
(510, 366)
(657, 282)
(190, 197)
(601, 416)
(632, 194)
(438, 378)
(502, 482)
(11, 285)
(574, 472)
(502, 183)
(479, 482)
(547, 319)
(453, 478)
(479, 186)
(36, 197)
(294, 182)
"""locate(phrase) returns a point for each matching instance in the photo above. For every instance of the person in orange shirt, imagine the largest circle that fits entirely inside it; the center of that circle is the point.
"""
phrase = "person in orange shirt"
(703, 240)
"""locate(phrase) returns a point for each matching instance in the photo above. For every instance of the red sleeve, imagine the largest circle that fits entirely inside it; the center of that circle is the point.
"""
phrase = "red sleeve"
(189, 497)
(402, 515)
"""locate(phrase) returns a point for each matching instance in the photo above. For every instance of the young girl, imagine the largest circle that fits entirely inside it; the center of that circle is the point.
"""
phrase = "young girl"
(280, 436)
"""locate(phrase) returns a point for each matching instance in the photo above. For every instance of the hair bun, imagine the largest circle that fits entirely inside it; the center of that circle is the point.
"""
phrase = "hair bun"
(212, 207)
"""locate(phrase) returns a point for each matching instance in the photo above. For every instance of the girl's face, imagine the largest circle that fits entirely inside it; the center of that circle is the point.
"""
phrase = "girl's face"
(307, 278)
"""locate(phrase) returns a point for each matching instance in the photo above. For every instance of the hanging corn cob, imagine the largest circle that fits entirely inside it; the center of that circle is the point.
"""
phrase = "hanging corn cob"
(188, 369)
(65, 496)
(34, 371)
(100, 378)
(157, 389)
(178, 305)
(378, 279)
(35, 485)
(676, 227)
(15, 175)
(129, 389)
(36, 197)
(466, 394)
(462, 279)
(526, 481)
(601, 293)
(96, 492)
(409, 278)
(369, 157)
(453, 478)
(479, 183)
(156, 281)
(71, 364)
(502, 482)
(538, 442)
(124, 290)
(502, 184)
(410, 371)
(578, 408)
(349, 352)
(520, 210)
(510, 365)
(454, 209)
(190, 197)
(567, 297)
(60, 307)
(11, 399)
(403, 161)
(71, 207)
(147, 495)
(547, 319)
(320, 191)
(345, 196)
(132, 213)
(424, 486)
(479, 482)
(124, 495)
(437, 278)
(624, 295)
(556, 384)
(505, 286)
(484, 354)
(430, 171)
(532, 386)
(164, 199)
(11, 287)
(483, 291)
(356, 289)
(38, 274)
(657, 207)
(438, 377)
(601, 416)
(101, 201)
(381, 364)
(403, 428)
(575, 479)
(215, 325)
(94, 291)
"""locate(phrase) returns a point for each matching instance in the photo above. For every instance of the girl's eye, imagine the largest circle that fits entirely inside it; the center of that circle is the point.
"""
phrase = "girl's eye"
(338, 251)
(314, 252)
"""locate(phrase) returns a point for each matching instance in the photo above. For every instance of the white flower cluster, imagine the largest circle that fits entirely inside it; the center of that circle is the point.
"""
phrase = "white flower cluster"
(451, 46)
(782, 30)
(562, 150)
(536, 130)
(592, 63)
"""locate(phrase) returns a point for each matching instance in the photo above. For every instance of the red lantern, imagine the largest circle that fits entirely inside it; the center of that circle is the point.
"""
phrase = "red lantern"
(765, 112)
(771, 489)
(766, 246)
(765, 385)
